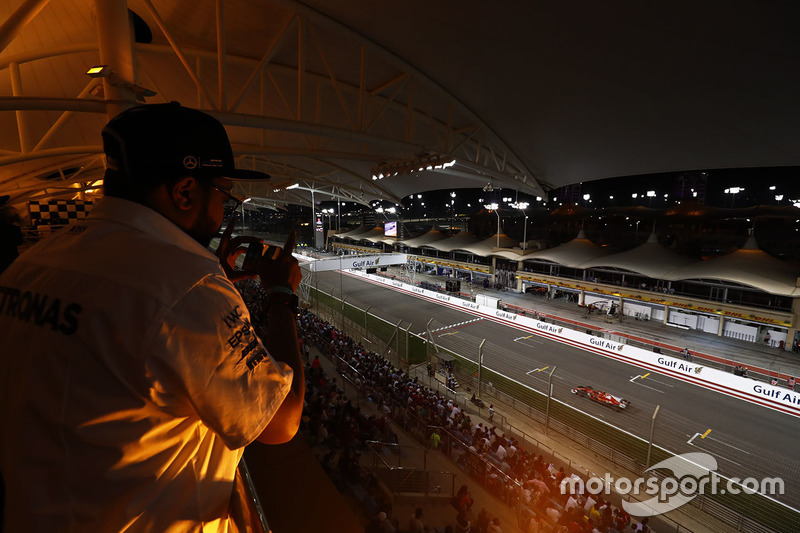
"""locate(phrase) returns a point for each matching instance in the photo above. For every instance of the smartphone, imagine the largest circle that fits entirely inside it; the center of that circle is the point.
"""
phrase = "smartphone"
(254, 252)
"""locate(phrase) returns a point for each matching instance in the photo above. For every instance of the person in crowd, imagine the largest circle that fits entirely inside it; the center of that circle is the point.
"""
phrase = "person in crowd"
(482, 522)
(463, 524)
(435, 438)
(143, 377)
(572, 503)
(415, 525)
(553, 514)
(464, 499)
(642, 527)
(494, 526)
(380, 523)
(536, 524)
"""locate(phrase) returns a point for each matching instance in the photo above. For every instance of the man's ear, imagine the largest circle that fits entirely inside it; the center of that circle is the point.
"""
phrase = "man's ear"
(185, 193)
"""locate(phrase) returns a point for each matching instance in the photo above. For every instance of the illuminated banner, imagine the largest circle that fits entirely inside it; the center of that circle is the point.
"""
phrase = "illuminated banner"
(349, 262)
(319, 232)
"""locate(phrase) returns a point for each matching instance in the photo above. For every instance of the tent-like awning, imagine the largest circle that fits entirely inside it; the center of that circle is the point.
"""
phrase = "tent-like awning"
(489, 247)
(360, 230)
(460, 241)
(572, 254)
(373, 235)
(431, 236)
(747, 266)
(651, 259)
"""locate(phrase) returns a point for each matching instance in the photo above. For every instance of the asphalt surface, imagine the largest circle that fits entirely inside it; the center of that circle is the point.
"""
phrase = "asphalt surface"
(746, 439)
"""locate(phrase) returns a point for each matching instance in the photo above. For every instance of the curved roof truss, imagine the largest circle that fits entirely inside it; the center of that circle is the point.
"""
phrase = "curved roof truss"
(303, 98)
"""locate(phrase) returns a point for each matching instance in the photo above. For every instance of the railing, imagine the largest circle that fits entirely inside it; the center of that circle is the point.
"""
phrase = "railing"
(414, 476)
(258, 518)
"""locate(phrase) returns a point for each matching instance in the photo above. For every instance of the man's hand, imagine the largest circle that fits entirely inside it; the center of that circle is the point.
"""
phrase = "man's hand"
(279, 267)
(230, 249)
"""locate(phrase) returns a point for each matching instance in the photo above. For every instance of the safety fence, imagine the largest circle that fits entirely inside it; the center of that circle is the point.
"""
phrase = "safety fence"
(745, 512)
(382, 336)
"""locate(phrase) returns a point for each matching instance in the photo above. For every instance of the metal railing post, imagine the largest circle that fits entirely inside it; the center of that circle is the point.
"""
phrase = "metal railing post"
(650, 442)
(430, 335)
(408, 349)
(342, 319)
(549, 395)
(480, 366)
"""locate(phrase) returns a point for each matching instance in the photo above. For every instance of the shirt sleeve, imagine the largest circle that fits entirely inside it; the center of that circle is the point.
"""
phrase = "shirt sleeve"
(208, 353)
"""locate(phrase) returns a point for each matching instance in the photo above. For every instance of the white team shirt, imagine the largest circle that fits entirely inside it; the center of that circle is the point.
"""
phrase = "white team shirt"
(130, 379)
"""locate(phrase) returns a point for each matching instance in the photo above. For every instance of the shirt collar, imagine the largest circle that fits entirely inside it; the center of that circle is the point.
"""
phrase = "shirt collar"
(146, 220)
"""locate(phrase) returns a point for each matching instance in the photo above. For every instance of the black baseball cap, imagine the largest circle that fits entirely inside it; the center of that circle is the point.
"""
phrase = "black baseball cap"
(154, 141)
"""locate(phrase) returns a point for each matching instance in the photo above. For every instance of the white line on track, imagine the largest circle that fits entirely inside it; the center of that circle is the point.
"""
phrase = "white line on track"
(662, 383)
(641, 378)
(703, 436)
(648, 387)
(528, 338)
(459, 324)
(728, 445)
(537, 370)
(541, 375)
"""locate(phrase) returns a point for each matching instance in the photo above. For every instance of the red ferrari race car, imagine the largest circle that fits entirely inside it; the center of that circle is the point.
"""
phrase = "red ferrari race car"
(602, 397)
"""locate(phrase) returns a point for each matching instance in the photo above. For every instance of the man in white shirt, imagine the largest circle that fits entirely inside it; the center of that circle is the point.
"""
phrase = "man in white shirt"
(131, 377)
(553, 514)
(572, 503)
(501, 452)
(587, 505)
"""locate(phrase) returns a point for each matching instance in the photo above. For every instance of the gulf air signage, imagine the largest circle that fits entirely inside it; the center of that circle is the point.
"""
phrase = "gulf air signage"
(353, 262)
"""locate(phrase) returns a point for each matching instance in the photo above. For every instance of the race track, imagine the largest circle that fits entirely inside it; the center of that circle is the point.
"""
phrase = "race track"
(746, 439)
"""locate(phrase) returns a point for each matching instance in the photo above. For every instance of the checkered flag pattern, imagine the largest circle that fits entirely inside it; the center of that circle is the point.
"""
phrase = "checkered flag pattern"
(58, 212)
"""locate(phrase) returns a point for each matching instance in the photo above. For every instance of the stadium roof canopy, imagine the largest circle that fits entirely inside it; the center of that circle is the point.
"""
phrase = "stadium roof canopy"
(325, 94)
